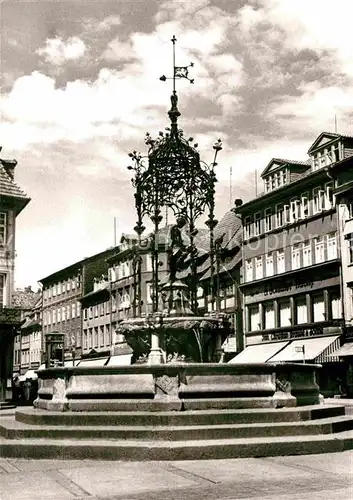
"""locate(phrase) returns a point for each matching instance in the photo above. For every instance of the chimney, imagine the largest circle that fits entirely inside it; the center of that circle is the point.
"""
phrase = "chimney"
(9, 166)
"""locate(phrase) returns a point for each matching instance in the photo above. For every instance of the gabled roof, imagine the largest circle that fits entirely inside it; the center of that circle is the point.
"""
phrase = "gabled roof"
(326, 138)
(9, 188)
(279, 162)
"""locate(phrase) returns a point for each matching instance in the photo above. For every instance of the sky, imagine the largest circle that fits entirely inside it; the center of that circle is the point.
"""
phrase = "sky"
(80, 88)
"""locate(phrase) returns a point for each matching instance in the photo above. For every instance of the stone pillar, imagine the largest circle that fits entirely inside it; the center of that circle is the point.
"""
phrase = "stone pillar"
(218, 349)
(157, 354)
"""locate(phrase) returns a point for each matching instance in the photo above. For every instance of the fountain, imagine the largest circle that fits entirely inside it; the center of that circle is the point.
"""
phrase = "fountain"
(179, 389)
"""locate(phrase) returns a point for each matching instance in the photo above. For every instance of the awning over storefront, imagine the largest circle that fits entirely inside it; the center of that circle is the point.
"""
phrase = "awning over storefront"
(312, 349)
(123, 359)
(259, 353)
(345, 350)
(93, 362)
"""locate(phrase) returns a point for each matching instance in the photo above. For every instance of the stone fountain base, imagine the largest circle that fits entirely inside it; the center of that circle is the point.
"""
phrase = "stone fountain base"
(178, 387)
(176, 412)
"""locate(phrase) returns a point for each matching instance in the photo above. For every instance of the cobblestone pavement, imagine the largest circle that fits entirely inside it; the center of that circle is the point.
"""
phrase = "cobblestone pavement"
(318, 477)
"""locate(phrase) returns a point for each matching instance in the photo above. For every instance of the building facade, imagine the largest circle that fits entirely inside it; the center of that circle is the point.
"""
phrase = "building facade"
(114, 298)
(12, 201)
(27, 345)
(291, 280)
(61, 307)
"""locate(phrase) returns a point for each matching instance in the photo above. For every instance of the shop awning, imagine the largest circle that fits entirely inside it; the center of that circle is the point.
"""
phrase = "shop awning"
(122, 360)
(93, 362)
(345, 350)
(315, 349)
(259, 353)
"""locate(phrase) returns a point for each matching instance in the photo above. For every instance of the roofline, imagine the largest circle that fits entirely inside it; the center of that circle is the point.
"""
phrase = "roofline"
(283, 163)
(77, 264)
(283, 188)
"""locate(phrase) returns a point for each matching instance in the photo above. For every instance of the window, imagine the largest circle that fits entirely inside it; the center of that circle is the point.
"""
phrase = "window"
(2, 289)
(329, 198)
(336, 305)
(101, 335)
(319, 250)
(280, 261)
(257, 224)
(268, 184)
(248, 270)
(318, 200)
(350, 248)
(85, 314)
(296, 256)
(283, 176)
(285, 313)
(294, 210)
(78, 309)
(3, 227)
(148, 262)
(258, 268)
(254, 318)
(73, 310)
(247, 227)
(68, 311)
(301, 310)
(331, 246)
(96, 311)
(268, 219)
(350, 208)
(304, 212)
(279, 215)
(307, 255)
(319, 308)
(63, 313)
(269, 264)
(54, 315)
(269, 316)
(73, 284)
(54, 291)
(96, 336)
(63, 287)
(286, 214)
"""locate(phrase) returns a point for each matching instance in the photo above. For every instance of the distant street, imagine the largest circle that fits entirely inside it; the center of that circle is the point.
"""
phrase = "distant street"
(314, 477)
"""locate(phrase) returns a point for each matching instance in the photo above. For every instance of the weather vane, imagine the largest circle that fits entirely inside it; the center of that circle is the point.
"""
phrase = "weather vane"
(178, 71)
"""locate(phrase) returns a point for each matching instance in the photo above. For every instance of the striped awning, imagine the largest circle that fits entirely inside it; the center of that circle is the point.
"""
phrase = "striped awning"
(258, 353)
(345, 350)
(318, 350)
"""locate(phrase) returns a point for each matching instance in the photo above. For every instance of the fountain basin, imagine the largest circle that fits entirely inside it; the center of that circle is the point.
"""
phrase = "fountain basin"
(177, 386)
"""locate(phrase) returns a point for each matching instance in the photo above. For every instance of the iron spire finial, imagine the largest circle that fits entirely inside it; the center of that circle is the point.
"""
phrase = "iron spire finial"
(178, 73)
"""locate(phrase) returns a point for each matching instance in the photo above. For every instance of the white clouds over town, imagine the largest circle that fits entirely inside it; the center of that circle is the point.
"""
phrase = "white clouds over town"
(80, 87)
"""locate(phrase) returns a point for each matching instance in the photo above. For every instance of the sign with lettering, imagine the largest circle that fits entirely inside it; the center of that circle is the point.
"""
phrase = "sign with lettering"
(274, 289)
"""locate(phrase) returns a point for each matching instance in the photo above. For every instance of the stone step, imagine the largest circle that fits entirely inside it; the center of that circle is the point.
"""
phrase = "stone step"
(36, 448)
(175, 418)
(12, 429)
(5, 405)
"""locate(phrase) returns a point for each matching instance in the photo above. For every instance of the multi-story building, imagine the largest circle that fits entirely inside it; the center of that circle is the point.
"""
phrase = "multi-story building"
(291, 280)
(62, 291)
(27, 345)
(12, 201)
(114, 298)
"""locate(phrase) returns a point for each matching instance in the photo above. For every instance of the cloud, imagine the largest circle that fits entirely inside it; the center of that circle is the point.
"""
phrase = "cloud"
(57, 51)
(314, 110)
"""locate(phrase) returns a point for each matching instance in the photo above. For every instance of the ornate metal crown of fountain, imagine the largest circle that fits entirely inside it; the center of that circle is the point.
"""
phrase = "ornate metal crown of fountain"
(174, 178)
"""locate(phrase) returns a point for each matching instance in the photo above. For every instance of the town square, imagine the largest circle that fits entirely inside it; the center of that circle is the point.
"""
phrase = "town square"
(176, 250)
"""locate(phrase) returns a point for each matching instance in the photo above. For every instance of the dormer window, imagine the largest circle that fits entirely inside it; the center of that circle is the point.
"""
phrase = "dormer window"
(326, 156)
(275, 180)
